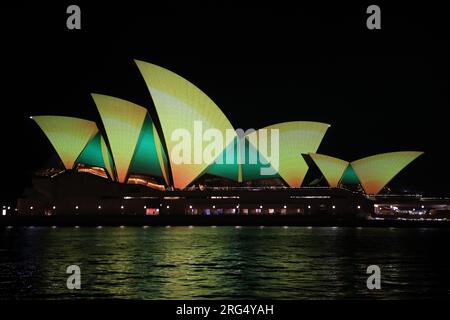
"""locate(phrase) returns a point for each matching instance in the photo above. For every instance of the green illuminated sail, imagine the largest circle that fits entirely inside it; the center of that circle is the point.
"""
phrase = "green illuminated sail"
(93, 154)
(349, 177)
(146, 159)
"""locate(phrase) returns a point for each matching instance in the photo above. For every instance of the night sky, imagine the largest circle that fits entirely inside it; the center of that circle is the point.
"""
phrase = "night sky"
(381, 90)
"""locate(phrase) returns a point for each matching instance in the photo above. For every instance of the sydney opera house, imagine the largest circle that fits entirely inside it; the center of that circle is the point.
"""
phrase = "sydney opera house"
(129, 163)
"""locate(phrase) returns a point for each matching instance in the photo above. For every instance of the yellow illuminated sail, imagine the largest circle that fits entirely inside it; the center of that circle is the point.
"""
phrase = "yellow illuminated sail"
(123, 122)
(181, 105)
(332, 168)
(376, 171)
(68, 135)
(295, 139)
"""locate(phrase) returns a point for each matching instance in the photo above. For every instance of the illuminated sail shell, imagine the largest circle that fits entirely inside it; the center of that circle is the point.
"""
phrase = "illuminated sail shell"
(68, 135)
(97, 154)
(332, 168)
(349, 176)
(376, 171)
(295, 139)
(123, 121)
(134, 141)
(179, 105)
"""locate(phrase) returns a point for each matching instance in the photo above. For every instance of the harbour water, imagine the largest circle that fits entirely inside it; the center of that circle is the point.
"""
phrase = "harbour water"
(223, 262)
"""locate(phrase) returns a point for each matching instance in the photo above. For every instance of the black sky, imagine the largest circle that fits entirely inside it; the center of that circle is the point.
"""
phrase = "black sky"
(383, 90)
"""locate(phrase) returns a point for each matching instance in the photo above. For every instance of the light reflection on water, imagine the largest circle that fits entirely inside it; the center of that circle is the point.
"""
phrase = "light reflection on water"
(223, 262)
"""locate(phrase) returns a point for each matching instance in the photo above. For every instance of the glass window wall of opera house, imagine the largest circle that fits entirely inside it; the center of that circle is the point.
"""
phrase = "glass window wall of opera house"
(128, 163)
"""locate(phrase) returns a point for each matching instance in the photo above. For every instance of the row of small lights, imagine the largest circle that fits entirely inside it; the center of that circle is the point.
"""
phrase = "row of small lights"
(9, 208)
(190, 207)
(77, 207)
(285, 207)
(391, 207)
(168, 226)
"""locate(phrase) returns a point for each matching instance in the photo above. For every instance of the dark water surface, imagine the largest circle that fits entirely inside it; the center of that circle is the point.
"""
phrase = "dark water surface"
(223, 262)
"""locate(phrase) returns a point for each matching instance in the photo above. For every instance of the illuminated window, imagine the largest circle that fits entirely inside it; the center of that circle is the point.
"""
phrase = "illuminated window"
(152, 211)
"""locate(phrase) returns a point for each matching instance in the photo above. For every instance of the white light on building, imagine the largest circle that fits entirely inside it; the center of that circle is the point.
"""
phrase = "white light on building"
(121, 207)
(99, 207)
(31, 208)
(359, 207)
(76, 207)
(309, 207)
(54, 207)
(168, 207)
